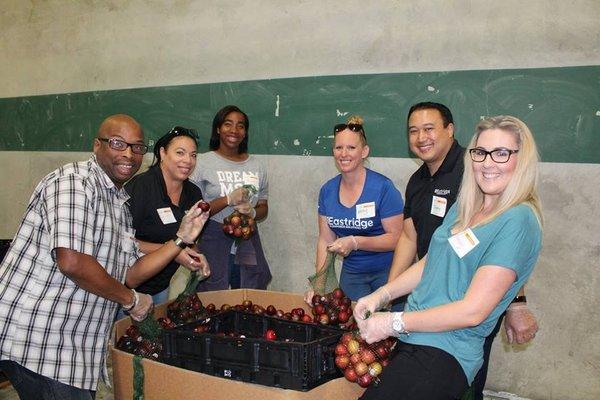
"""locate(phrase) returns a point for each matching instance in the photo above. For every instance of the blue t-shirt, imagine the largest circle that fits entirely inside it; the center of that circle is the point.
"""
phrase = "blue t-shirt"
(512, 240)
(379, 199)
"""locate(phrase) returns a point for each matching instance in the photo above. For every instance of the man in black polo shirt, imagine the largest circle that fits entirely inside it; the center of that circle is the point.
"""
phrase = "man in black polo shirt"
(430, 193)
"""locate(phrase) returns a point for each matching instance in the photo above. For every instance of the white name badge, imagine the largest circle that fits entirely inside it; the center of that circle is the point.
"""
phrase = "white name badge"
(365, 210)
(251, 180)
(438, 206)
(463, 242)
(166, 215)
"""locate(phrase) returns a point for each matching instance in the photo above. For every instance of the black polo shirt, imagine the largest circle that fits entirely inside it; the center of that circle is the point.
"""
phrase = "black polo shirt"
(422, 187)
(148, 194)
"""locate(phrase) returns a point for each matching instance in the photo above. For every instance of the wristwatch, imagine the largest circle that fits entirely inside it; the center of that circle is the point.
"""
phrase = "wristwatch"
(180, 243)
(398, 324)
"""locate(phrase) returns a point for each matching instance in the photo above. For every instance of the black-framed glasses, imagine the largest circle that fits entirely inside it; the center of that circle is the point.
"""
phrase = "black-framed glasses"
(358, 128)
(121, 145)
(499, 156)
(181, 131)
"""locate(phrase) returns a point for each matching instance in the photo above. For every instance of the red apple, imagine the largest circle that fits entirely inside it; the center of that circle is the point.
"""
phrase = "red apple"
(271, 310)
(346, 337)
(270, 334)
(343, 316)
(338, 293)
(365, 380)
(355, 358)
(367, 356)
(350, 374)
(236, 221)
(204, 206)
(316, 299)
(340, 349)
(324, 319)
(306, 318)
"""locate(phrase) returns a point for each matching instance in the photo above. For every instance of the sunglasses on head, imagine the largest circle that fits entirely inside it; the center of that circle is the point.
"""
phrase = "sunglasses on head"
(358, 128)
(180, 130)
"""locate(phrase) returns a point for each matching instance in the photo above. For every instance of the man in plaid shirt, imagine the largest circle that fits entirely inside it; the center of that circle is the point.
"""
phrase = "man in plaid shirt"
(63, 277)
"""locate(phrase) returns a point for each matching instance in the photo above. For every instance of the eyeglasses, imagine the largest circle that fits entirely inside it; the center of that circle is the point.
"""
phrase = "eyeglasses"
(499, 156)
(180, 130)
(358, 128)
(121, 145)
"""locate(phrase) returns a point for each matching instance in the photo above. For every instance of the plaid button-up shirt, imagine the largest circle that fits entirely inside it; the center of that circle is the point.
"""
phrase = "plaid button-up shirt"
(48, 324)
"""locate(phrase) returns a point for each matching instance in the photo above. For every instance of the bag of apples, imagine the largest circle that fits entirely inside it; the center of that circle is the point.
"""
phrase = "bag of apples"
(240, 226)
(187, 307)
(362, 362)
(325, 280)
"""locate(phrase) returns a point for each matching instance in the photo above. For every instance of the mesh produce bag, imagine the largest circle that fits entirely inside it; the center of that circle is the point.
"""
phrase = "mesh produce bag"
(325, 280)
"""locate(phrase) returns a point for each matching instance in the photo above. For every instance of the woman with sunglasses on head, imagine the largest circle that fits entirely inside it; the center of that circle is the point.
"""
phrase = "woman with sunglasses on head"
(360, 215)
(484, 251)
(222, 174)
(158, 201)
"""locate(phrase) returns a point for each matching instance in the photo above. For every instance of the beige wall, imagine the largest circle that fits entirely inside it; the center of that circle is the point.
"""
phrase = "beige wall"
(64, 46)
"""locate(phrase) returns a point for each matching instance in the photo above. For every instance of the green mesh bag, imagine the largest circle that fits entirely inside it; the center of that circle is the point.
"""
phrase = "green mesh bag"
(325, 280)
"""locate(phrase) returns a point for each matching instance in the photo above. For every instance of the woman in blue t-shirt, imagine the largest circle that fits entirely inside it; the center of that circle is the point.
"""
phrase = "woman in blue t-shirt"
(477, 260)
(360, 215)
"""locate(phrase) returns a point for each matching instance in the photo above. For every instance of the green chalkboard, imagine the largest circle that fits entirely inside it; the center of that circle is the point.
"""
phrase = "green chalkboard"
(295, 116)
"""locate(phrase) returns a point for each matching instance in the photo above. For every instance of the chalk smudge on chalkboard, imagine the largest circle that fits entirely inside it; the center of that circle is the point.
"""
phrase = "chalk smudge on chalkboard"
(341, 113)
(432, 89)
(598, 113)
(296, 142)
(277, 106)
(530, 106)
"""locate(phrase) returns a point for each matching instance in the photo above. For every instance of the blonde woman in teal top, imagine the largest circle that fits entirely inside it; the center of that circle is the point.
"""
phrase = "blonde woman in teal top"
(477, 261)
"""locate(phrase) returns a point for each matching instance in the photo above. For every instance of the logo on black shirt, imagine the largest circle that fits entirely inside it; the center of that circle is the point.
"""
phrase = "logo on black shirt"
(441, 192)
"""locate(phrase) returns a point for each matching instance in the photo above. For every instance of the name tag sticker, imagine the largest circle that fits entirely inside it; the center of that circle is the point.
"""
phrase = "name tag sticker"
(365, 210)
(463, 242)
(166, 215)
(438, 206)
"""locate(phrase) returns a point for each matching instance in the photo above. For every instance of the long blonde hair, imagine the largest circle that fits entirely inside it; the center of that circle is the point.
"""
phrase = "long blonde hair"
(522, 187)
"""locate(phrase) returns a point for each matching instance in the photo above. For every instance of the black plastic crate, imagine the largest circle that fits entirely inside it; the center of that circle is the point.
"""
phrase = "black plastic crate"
(305, 361)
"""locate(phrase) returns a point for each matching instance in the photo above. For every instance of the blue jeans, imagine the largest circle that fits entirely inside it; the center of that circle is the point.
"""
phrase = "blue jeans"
(32, 386)
(235, 278)
(360, 284)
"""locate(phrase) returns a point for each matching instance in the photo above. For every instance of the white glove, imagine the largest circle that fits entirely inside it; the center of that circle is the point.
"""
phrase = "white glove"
(308, 295)
(246, 208)
(142, 308)
(343, 246)
(377, 327)
(237, 196)
(520, 324)
(369, 304)
(192, 224)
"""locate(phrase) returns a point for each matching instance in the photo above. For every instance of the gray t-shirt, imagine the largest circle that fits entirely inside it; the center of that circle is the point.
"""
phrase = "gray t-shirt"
(217, 176)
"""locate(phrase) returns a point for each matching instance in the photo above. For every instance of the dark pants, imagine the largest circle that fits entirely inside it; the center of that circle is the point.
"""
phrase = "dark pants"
(419, 373)
(479, 382)
(32, 386)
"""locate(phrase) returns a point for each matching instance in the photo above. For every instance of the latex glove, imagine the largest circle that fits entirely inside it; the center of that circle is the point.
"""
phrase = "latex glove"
(194, 261)
(237, 196)
(343, 246)
(520, 324)
(246, 208)
(308, 295)
(377, 327)
(371, 303)
(143, 307)
(192, 223)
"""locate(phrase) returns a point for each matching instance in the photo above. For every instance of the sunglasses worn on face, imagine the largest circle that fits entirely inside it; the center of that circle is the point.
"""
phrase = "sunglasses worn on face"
(358, 128)
(121, 145)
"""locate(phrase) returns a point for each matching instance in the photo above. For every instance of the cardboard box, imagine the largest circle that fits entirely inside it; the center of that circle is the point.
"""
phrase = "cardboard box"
(163, 381)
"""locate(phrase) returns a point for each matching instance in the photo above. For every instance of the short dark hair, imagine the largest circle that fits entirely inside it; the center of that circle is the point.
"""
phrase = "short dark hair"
(165, 140)
(218, 121)
(427, 105)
